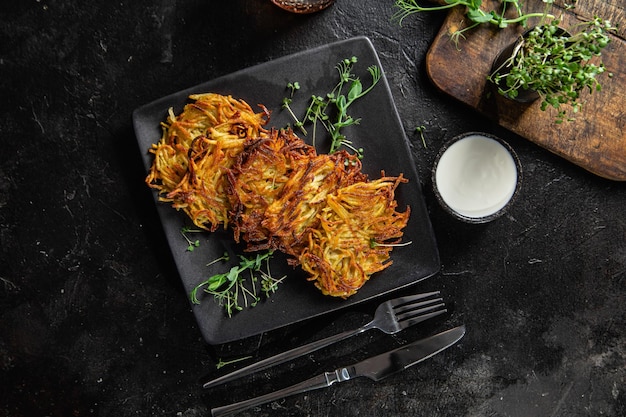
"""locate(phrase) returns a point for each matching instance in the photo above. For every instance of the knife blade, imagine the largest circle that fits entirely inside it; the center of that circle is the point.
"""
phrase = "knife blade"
(376, 368)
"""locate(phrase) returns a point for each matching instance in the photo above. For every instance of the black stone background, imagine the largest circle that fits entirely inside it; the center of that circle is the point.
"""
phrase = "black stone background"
(93, 317)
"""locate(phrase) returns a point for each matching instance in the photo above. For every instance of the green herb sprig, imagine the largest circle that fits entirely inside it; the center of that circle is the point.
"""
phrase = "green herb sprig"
(331, 110)
(191, 244)
(238, 289)
(293, 87)
(474, 13)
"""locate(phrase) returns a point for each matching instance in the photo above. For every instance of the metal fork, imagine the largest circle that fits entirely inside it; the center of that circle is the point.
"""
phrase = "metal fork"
(390, 317)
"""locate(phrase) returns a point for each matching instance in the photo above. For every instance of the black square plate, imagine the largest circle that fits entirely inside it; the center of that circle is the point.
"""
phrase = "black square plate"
(380, 134)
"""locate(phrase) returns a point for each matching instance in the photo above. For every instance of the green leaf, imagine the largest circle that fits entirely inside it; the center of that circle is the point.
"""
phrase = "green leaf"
(479, 16)
(341, 103)
(330, 111)
(216, 281)
(229, 289)
(355, 90)
(233, 274)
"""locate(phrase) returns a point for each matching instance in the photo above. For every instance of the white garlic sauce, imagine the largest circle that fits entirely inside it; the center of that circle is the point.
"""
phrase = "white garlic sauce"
(476, 176)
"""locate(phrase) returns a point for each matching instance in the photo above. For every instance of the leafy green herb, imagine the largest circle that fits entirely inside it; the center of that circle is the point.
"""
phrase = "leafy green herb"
(331, 111)
(237, 288)
(555, 64)
(474, 13)
(192, 244)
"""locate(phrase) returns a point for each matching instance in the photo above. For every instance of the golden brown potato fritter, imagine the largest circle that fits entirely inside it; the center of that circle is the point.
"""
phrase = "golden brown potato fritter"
(357, 224)
(217, 163)
(196, 149)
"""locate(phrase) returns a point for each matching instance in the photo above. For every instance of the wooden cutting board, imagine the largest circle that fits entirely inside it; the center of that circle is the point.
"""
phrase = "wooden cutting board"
(595, 140)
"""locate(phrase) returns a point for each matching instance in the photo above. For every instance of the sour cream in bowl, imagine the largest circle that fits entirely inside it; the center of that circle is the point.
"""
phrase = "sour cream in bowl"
(476, 176)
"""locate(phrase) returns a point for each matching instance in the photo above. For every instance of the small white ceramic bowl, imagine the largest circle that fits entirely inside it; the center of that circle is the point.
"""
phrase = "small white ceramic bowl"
(476, 177)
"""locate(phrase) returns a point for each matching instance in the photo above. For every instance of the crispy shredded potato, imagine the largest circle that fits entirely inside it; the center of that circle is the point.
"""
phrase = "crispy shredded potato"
(217, 163)
(196, 149)
(357, 225)
(257, 180)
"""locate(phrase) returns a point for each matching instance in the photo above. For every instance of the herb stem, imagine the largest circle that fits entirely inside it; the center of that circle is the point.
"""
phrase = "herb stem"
(229, 288)
(331, 111)
(191, 244)
(223, 363)
(474, 12)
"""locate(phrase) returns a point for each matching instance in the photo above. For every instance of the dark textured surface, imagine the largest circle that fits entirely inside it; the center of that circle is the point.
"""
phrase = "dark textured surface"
(94, 319)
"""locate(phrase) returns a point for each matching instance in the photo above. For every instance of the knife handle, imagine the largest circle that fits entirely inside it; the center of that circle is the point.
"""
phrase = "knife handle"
(321, 381)
(285, 356)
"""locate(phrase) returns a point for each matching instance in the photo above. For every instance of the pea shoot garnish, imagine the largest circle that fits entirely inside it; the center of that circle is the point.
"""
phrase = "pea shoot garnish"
(331, 111)
(238, 288)
(475, 12)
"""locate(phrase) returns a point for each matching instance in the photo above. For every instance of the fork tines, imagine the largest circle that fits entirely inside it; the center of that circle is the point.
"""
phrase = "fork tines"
(405, 308)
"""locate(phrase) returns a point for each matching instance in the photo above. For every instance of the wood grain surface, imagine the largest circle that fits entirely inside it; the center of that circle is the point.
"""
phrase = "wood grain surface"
(595, 140)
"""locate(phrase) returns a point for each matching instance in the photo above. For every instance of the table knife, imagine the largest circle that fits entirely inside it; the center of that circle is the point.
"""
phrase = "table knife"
(375, 368)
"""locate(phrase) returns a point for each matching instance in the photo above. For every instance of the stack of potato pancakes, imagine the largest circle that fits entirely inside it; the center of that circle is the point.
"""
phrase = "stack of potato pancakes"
(218, 163)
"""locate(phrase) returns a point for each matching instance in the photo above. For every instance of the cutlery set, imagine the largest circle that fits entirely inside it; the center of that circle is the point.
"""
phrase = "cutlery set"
(390, 317)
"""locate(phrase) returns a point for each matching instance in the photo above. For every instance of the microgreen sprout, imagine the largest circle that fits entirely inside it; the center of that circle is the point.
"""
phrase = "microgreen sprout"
(420, 130)
(269, 284)
(224, 257)
(223, 363)
(293, 87)
(237, 288)
(556, 64)
(331, 111)
(192, 244)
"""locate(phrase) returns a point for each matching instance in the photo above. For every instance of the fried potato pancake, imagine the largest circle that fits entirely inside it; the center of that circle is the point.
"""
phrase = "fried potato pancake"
(258, 179)
(218, 163)
(196, 149)
(357, 225)
(290, 217)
